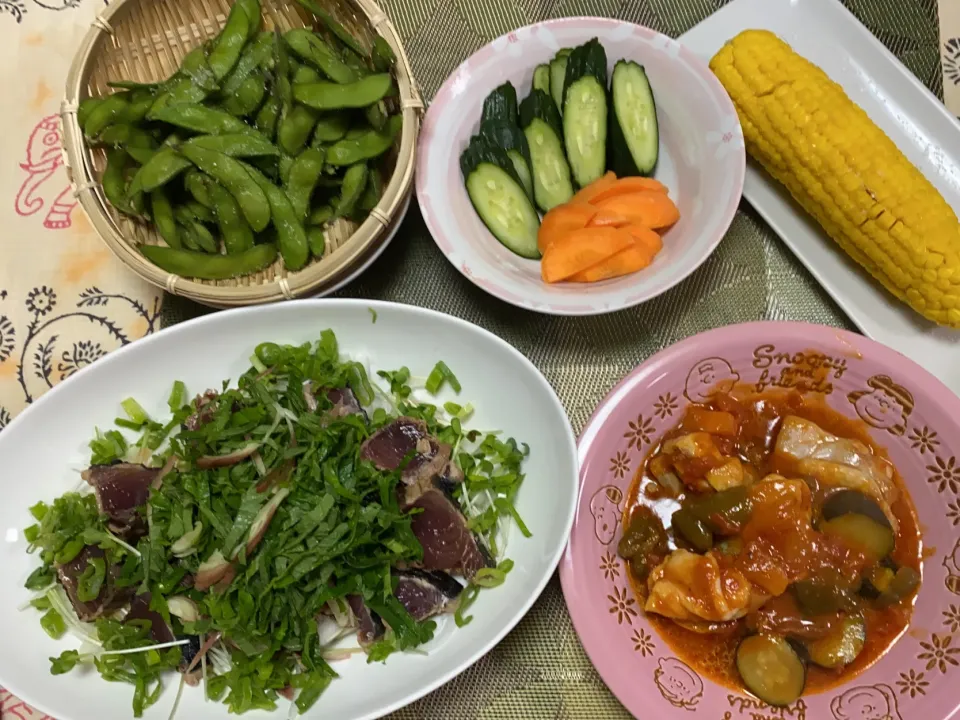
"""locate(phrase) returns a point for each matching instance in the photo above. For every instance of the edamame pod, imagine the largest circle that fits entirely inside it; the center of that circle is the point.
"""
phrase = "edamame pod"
(311, 48)
(333, 26)
(163, 218)
(233, 175)
(200, 211)
(165, 165)
(200, 119)
(377, 115)
(235, 145)
(196, 67)
(383, 56)
(106, 113)
(320, 215)
(267, 117)
(354, 183)
(283, 167)
(113, 180)
(317, 239)
(255, 55)
(196, 229)
(198, 185)
(302, 179)
(370, 145)
(187, 263)
(373, 192)
(248, 96)
(331, 96)
(295, 128)
(182, 91)
(330, 128)
(291, 237)
(236, 233)
(242, 23)
(87, 106)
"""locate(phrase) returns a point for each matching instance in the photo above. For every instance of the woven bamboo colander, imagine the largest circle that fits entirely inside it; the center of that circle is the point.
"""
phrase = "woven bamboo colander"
(145, 40)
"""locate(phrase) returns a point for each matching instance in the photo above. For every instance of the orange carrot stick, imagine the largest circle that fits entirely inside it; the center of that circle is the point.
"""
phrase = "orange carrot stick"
(561, 220)
(597, 186)
(607, 218)
(581, 249)
(646, 244)
(654, 210)
(627, 185)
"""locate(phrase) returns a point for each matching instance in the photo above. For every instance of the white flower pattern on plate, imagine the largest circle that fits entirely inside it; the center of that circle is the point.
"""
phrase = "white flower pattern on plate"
(728, 139)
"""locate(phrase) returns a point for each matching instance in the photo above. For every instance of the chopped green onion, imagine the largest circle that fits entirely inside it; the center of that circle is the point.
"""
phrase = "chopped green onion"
(506, 507)
(438, 375)
(373, 315)
(53, 624)
(178, 396)
(135, 412)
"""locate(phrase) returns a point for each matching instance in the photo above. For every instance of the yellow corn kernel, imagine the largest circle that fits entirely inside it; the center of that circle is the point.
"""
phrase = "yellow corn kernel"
(843, 170)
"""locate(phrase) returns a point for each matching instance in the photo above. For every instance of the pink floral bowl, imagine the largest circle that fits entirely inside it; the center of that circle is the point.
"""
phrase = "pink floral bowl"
(908, 411)
(702, 161)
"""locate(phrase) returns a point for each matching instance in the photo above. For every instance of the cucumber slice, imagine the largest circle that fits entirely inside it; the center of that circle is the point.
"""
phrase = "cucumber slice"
(541, 78)
(551, 173)
(771, 669)
(500, 199)
(634, 134)
(558, 71)
(501, 104)
(585, 112)
(511, 138)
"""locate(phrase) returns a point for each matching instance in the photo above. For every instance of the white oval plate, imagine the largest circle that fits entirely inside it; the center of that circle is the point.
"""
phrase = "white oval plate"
(702, 161)
(42, 450)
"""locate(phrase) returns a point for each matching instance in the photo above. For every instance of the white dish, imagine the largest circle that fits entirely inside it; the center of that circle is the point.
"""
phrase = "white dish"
(827, 34)
(41, 451)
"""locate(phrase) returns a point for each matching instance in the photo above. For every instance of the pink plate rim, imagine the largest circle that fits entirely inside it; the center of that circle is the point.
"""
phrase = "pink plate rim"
(594, 639)
(568, 307)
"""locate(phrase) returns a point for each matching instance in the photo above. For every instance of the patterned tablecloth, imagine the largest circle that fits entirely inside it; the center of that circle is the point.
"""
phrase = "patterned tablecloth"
(63, 301)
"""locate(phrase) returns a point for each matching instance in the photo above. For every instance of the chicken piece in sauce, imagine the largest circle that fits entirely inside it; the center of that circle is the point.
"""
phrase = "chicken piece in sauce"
(689, 586)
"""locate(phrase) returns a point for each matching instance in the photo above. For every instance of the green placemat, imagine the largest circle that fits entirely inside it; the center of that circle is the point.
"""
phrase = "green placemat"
(540, 672)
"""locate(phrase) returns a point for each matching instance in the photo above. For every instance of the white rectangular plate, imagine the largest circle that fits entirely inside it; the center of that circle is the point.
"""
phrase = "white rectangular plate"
(827, 34)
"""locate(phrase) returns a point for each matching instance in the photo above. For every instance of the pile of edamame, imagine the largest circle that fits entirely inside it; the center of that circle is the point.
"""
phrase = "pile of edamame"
(256, 144)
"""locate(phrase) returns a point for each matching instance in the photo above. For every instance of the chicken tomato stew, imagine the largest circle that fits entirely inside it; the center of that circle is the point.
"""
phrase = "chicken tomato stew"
(772, 544)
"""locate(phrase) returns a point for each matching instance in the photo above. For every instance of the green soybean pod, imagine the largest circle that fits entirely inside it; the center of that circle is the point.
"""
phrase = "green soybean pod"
(373, 191)
(233, 175)
(354, 183)
(377, 115)
(200, 119)
(198, 185)
(295, 128)
(165, 165)
(317, 239)
(311, 48)
(182, 91)
(105, 113)
(267, 117)
(127, 135)
(87, 106)
(330, 127)
(163, 218)
(235, 231)
(283, 167)
(291, 237)
(200, 212)
(198, 231)
(366, 147)
(196, 67)
(187, 263)
(235, 145)
(254, 56)
(383, 56)
(248, 97)
(242, 22)
(140, 102)
(188, 237)
(331, 96)
(320, 215)
(141, 154)
(302, 179)
(114, 181)
(339, 31)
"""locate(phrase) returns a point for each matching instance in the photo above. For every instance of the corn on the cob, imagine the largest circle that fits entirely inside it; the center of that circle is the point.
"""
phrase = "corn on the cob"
(810, 136)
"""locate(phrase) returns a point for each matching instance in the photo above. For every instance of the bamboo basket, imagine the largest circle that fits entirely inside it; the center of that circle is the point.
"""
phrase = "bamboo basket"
(145, 40)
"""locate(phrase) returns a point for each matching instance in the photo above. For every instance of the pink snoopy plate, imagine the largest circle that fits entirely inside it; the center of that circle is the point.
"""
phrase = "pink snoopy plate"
(909, 412)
